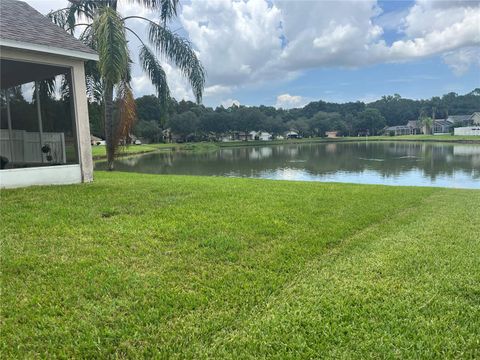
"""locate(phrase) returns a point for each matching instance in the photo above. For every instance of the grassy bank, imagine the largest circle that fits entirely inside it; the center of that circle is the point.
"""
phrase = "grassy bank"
(141, 266)
(99, 152)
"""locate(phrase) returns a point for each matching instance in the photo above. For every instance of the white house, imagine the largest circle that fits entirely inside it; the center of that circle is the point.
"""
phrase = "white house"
(473, 129)
(40, 143)
(476, 118)
(467, 131)
(292, 134)
(469, 124)
(264, 136)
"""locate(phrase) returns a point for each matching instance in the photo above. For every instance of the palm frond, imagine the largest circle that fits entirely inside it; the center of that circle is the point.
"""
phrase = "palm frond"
(65, 18)
(167, 8)
(95, 88)
(180, 52)
(93, 77)
(89, 8)
(88, 37)
(155, 72)
(65, 88)
(126, 111)
(111, 45)
(46, 90)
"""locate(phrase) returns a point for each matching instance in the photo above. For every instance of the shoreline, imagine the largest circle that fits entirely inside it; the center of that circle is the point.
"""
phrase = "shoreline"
(203, 146)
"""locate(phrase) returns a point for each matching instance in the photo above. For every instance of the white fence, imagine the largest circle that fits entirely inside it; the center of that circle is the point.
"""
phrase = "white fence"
(25, 147)
(467, 130)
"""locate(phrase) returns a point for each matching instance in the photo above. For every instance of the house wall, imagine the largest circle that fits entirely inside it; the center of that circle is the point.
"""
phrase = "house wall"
(476, 118)
(45, 175)
(82, 126)
(467, 131)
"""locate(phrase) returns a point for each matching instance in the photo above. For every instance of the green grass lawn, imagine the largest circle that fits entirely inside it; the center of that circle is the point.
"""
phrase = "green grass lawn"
(148, 266)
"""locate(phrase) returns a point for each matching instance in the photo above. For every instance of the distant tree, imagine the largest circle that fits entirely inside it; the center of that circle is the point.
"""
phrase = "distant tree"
(474, 92)
(149, 108)
(96, 119)
(348, 118)
(320, 123)
(395, 109)
(248, 119)
(183, 124)
(302, 125)
(370, 119)
(212, 121)
(148, 130)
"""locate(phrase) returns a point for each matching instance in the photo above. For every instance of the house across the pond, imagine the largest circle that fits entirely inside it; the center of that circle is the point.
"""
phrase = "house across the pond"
(292, 134)
(398, 130)
(44, 136)
(463, 123)
(472, 128)
(264, 136)
(331, 134)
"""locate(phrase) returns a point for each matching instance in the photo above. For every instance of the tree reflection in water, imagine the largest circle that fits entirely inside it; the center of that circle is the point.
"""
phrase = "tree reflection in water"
(393, 163)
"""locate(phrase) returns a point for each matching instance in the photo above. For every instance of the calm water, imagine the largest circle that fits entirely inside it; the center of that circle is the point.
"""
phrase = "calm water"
(389, 163)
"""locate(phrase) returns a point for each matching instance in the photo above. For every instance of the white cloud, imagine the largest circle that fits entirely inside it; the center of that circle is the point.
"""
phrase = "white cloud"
(287, 101)
(461, 60)
(393, 20)
(465, 32)
(429, 16)
(236, 40)
(250, 43)
(254, 41)
(229, 102)
(142, 85)
(327, 33)
(217, 90)
(179, 87)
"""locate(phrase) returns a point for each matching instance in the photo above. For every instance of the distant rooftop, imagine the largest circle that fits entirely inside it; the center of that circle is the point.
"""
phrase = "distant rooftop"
(412, 123)
(398, 127)
(444, 122)
(459, 118)
(21, 26)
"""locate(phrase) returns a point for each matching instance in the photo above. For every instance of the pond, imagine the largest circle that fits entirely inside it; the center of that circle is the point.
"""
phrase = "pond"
(388, 163)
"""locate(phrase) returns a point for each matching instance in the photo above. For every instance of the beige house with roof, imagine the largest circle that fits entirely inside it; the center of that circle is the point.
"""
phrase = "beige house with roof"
(44, 139)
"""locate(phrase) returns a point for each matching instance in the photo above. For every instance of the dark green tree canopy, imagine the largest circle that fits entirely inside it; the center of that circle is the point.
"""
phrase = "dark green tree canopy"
(347, 119)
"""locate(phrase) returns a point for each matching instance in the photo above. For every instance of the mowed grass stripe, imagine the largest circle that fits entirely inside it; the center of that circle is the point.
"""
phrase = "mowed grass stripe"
(139, 265)
(406, 288)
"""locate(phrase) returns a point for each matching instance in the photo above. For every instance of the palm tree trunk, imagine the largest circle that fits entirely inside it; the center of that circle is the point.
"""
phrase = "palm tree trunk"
(110, 137)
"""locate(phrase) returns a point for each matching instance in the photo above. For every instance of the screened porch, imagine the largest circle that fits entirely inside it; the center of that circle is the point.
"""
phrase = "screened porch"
(37, 121)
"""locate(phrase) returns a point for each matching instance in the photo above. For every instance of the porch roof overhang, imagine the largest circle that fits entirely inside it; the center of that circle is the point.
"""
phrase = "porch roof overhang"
(24, 28)
(14, 73)
(75, 54)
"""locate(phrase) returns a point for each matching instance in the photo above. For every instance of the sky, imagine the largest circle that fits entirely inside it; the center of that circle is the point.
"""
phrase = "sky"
(286, 53)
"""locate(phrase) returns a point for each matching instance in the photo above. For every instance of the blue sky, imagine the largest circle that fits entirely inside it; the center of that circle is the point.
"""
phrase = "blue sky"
(287, 53)
(413, 79)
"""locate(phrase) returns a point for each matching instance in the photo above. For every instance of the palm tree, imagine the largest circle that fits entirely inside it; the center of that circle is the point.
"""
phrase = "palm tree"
(426, 123)
(105, 31)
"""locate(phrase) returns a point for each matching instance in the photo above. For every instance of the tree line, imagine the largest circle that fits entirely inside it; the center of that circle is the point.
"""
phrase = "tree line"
(191, 121)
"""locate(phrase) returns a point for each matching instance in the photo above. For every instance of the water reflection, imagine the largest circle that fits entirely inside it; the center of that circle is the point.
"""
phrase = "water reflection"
(391, 163)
